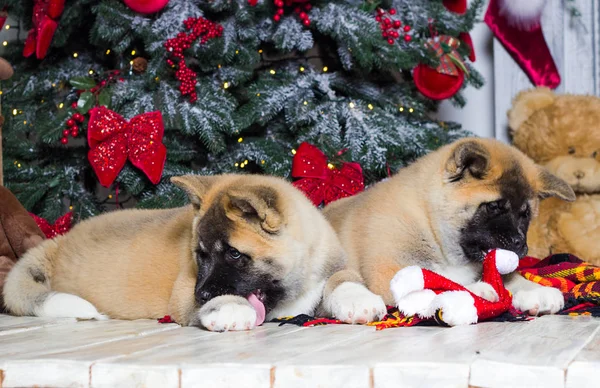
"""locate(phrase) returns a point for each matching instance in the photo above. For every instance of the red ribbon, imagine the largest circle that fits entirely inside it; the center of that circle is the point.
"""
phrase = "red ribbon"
(322, 182)
(61, 226)
(113, 140)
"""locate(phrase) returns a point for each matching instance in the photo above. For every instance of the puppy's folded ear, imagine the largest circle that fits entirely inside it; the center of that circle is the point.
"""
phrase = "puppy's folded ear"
(195, 186)
(468, 157)
(552, 186)
(255, 204)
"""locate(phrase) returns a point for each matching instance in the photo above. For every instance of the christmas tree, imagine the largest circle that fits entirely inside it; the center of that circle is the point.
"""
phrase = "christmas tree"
(238, 84)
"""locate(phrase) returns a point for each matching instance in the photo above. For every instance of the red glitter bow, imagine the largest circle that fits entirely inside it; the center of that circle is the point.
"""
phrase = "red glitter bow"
(322, 182)
(113, 140)
(61, 226)
(45, 16)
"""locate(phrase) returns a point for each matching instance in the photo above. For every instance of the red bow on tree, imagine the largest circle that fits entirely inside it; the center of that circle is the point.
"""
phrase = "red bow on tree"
(61, 226)
(322, 182)
(113, 140)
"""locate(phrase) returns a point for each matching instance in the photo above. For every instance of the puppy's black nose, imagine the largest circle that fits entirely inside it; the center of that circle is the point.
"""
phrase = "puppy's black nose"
(579, 174)
(204, 296)
(518, 243)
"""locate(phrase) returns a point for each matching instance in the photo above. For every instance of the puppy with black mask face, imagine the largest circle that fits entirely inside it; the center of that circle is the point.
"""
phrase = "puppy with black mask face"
(248, 248)
(444, 213)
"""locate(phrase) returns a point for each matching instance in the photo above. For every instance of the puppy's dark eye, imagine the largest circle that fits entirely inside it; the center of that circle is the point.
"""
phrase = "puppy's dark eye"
(525, 211)
(571, 150)
(594, 154)
(495, 207)
(234, 254)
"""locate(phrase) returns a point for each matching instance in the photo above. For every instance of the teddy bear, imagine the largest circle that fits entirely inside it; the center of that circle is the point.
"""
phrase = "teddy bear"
(18, 233)
(562, 133)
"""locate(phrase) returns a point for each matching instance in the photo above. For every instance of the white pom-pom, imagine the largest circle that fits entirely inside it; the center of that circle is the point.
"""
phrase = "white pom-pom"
(525, 14)
(407, 280)
(506, 261)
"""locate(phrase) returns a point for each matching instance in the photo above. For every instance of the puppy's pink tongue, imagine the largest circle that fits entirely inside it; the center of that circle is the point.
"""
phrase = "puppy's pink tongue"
(259, 307)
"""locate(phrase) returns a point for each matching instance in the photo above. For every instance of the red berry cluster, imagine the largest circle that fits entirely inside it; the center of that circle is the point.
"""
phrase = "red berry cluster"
(391, 26)
(200, 28)
(302, 6)
(71, 125)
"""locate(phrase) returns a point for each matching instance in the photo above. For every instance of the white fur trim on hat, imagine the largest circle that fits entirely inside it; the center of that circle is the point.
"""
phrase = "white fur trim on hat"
(506, 261)
(522, 13)
(458, 307)
(407, 280)
(416, 303)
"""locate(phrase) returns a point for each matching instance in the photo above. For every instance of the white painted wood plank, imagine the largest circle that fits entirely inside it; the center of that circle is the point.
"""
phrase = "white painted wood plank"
(582, 372)
(579, 50)
(80, 361)
(535, 356)
(75, 335)
(251, 354)
(13, 325)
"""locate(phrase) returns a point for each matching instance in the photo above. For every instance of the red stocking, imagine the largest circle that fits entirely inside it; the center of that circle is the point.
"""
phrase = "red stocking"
(524, 41)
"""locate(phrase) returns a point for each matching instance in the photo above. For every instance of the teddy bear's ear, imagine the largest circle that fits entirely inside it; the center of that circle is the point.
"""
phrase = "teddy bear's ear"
(526, 103)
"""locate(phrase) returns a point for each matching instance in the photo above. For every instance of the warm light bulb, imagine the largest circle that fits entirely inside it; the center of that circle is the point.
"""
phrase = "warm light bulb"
(24, 122)
(330, 166)
(240, 140)
(237, 164)
(219, 66)
(157, 79)
(272, 71)
(71, 207)
(109, 196)
(2, 92)
(401, 109)
(19, 165)
(75, 55)
(242, 165)
(132, 52)
(15, 112)
(370, 106)
(53, 85)
(257, 94)
(7, 27)
(61, 105)
(237, 51)
(226, 85)
(325, 69)
(305, 102)
(411, 110)
(352, 105)
(301, 68)
(260, 51)
(91, 72)
(107, 51)
(131, 63)
(5, 43)
(246, 161)
(293, 152)
(262, 162)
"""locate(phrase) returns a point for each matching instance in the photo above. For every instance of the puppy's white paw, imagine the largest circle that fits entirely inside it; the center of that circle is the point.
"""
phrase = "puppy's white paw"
(62, 305)
(353, 303)
(225, 315)
(484, 290)
(541, 300)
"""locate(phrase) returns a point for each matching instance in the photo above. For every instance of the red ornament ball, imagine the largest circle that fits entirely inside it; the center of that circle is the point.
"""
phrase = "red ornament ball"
(146, 6)
(392, 11)
(303, 15)
(391, 41)
(434, 85)
(406, 28)
(64, 140)
(66, 132)
(78, 117)
(75, 131)
(407, 38)
(70, 123)
(378, 18)
(74, 105)
(308, 6)
(306, 22)
(252, 2)
(397, 23)
(277, 18)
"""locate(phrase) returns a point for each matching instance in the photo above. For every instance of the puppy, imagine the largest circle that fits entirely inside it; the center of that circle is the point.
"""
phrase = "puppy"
(246, 249)
(444, 213)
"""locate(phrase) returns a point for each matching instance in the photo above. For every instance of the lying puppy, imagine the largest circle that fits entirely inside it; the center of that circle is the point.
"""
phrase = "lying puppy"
(444, 213)
(248, 248)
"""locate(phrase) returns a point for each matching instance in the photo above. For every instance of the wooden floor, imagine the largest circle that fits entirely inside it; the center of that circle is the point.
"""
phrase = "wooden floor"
(548, 352)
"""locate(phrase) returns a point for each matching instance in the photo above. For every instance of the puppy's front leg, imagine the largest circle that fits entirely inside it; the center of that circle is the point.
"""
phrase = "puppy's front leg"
(225, 313)
(533, 298)
(346, 298)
